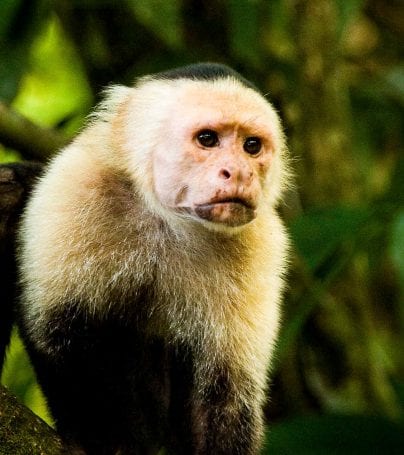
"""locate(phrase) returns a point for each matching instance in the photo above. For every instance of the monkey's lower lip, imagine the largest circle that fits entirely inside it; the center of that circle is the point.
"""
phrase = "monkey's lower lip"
(232, 212)
(232, 200)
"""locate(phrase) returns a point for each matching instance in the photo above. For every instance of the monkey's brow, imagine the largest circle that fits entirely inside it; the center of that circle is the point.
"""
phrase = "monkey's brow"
(257, 124)
(254, 123)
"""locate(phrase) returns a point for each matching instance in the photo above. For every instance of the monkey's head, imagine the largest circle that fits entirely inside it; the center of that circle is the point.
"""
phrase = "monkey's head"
(209, 150)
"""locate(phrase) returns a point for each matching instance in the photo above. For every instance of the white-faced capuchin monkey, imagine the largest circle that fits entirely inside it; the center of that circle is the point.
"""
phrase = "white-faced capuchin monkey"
(151, 259)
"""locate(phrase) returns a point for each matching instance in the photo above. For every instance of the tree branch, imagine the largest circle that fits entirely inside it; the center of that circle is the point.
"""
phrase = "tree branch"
(33, 141)
(23, 432)
(15, 184)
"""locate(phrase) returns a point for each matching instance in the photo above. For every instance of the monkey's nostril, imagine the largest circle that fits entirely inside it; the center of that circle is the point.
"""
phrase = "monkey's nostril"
(224, 173)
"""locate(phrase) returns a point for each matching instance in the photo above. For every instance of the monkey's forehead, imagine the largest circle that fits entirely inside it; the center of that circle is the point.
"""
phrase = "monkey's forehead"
(220, 101)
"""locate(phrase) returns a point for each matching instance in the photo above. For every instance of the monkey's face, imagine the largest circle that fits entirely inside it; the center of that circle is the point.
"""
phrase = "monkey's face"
(215, 157)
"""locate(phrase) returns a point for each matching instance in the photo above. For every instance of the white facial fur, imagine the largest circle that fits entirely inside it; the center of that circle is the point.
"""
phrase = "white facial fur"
(221, 186)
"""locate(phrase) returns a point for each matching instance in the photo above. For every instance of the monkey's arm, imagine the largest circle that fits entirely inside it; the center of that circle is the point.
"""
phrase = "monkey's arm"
(215, 411)
(105, 383)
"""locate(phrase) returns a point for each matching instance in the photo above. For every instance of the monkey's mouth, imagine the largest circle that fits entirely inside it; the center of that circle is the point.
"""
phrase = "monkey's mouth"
(233, 211)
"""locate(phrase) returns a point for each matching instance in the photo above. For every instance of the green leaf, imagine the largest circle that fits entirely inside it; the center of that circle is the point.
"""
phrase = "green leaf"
(336, 435)
(49, 94)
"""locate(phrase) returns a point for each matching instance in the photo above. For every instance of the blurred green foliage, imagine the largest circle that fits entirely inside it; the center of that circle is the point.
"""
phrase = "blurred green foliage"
(19, 376)
(334, 70)
(337, 435)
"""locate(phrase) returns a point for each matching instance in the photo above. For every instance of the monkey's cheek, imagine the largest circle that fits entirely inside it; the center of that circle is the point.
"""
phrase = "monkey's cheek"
(228, 213)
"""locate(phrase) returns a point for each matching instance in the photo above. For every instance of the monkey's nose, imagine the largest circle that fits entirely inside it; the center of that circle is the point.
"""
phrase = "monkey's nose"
(236, 174)
(225, 174)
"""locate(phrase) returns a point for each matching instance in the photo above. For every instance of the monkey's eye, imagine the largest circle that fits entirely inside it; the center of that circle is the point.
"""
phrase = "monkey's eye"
(208, 138)
(252, 145)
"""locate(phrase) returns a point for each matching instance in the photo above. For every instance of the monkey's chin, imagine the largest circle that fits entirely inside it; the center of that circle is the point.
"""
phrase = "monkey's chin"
(227, 213)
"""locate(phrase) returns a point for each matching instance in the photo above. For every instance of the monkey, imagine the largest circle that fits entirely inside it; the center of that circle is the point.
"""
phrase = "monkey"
(151, 264)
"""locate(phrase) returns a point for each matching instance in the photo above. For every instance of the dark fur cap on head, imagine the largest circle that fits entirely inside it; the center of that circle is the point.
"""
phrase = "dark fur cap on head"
(205, 72)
